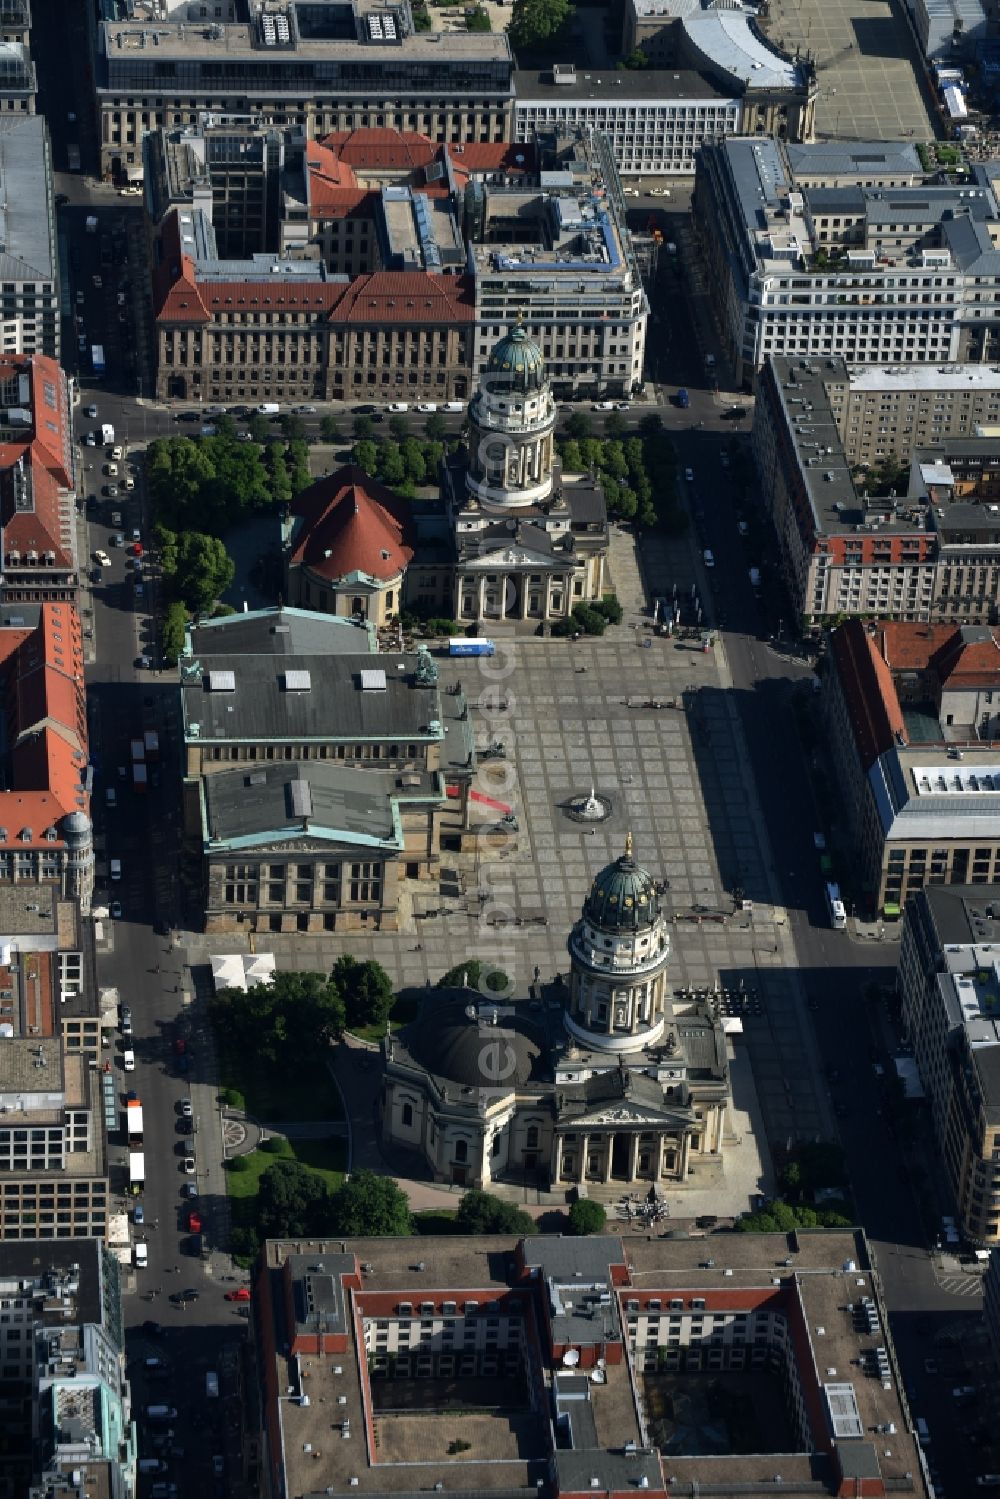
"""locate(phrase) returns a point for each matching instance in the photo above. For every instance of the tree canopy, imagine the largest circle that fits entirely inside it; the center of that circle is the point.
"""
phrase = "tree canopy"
(293, 1202)
(206, 485)
(475, 975)
(368, 1204)
(365, 988)
(587, 1217)
(536, 21)
(482, 1213)
(197, 568)
(295, 1015)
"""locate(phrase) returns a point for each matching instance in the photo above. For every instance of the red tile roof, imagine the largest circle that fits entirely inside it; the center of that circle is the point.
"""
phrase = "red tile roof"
(381, 147)
(515, 157)
(352, 524)
(44, 706)
(406, 297)
(907, 646)
(970, 659)
(868, 689)
(37, 512)
(176, 296)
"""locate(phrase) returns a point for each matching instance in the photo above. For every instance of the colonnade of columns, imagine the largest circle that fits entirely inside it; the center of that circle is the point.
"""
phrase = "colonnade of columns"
(604, 1142)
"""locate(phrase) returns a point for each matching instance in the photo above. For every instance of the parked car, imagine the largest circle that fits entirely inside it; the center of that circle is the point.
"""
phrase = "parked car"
(399, 406)
(189, 1165)
(427, 405)
(102, 559)
(242, 1294)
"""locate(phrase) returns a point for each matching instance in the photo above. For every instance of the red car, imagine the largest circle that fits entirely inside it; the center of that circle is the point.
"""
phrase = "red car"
(180, 1046)
(194, 1222)
(137, 549)
(241, 1295)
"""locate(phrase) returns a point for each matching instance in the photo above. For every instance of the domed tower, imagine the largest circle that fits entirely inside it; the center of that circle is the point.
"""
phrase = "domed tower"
(512, 425)
(78, 835)
(619, 950)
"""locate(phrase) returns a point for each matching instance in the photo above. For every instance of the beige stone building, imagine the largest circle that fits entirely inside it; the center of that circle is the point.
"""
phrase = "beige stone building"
(530, 543)
(913, 732)
(636, 1093)
(322, 68)
(883, 412)
(317, 772)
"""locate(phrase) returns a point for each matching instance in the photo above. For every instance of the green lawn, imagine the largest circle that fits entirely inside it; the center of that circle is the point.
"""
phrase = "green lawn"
(435, 1221)
(328, 1158)
(304, 1093)
(402, 1012)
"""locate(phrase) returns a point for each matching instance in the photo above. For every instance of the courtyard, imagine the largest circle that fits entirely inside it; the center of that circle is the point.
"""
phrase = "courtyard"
(718, 1414)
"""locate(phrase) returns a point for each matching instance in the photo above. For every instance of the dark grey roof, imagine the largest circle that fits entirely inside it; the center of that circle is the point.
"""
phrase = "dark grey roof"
(658, 86)
(317, 1290)
(586, 502)
(836, 199)
(26, 229)
(280, 632)
(453, 1039)
(29, 1259)
(835, 158)
(610, 1472)
(959, 913)
(564, 1258)
(986, 1060)
(857, 1459)
(310, 799)
(335, 707)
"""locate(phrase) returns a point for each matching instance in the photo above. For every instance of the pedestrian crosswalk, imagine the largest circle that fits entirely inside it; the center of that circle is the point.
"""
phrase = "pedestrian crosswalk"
(961, 1285)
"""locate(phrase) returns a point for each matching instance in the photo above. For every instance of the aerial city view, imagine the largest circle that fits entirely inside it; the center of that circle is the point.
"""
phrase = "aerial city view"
(500, 755)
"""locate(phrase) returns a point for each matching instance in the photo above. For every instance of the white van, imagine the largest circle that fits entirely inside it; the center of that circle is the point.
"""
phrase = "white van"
(141, 1255)
(116, 869)
(129, 1060)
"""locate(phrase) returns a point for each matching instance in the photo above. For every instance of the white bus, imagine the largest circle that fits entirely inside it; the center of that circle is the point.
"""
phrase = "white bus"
(834, 904)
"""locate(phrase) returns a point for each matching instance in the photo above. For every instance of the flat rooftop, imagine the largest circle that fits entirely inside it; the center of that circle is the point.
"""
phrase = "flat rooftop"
(659, 87)
(820, 1282)
(235, 41)
(903, 377)
(277, 801)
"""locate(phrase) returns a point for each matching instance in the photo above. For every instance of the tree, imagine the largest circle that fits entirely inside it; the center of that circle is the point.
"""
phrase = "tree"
(579, 424)
(280, 479)
(651, 425)
(572, 462)
(174, 629)
(293, 428)
(293, 1202)
(535, 21)
(587, 1217)
(365, 455)
(413, 459)
(475, 975)
(204, 570)
(166, 545)
(366, 990)
(482, 1213)
(615, 425)
(329, 428)
(435, 427)
(298, 459)
(477, 20)
(260, 429)
(367, 1204)
(636, 59)
(399, 427)
(363, 428)
(225, 427)
(293, 1017)
(390, 466)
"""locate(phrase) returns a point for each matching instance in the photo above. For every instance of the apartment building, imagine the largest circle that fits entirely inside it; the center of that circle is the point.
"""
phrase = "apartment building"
(913, 717)
(883, 412)
(404, 262)
(949, 990)
(871, 272)
(655, 122)
(38, 532)
(65, 1400)
(924, 548)
(335, 66)
(53, 1163)
(559, 1355)
(29, 293)
(317, 772)
(558, 258)
(18, 81)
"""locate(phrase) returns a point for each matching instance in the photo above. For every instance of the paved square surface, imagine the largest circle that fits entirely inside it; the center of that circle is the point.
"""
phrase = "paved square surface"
(677, 777)
(867, 65)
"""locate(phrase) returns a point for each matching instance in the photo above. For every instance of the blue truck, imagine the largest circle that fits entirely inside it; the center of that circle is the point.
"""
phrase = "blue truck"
(683, 399)
(467, 645)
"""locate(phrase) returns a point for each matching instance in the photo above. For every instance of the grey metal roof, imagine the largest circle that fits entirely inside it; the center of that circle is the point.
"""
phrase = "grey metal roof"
(727, 41)
(610, 1472)
(314, 799)
(835, 159)
(565, 1258)
(26, 230)
(280, 632)
(836, 199)
(336, 708)
(758, 175)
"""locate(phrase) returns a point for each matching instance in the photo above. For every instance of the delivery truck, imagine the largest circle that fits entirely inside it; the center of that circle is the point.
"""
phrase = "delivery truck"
(136, 1172)
(467, 645)
(133, 1119)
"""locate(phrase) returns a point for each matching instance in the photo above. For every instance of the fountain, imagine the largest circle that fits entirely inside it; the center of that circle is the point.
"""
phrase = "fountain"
(589, 809)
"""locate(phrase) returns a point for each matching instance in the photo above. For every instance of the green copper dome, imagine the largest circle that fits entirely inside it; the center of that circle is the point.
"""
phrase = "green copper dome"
(518, 361)
(623, 896)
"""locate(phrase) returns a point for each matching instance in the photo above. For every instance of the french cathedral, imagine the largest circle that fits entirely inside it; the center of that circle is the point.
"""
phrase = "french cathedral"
(514, 538)
(614, 1083)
